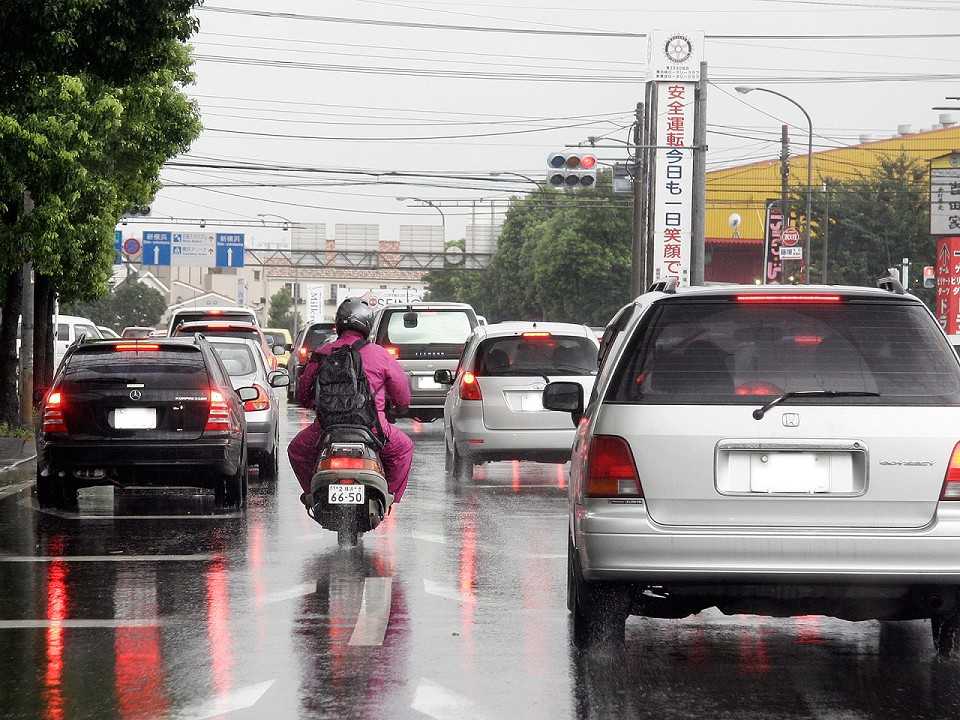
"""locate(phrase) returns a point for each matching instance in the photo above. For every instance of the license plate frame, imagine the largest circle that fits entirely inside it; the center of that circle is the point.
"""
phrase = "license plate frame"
(135, 418)
(346, 494)
(789, 473)
(531, 401)
(426, 382)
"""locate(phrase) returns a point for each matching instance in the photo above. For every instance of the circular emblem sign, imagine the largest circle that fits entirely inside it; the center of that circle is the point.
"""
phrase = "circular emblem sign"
(790, 237)
(131, 246)
(678, 49)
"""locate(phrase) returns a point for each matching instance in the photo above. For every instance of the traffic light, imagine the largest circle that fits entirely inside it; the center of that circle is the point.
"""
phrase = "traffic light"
(571, 170)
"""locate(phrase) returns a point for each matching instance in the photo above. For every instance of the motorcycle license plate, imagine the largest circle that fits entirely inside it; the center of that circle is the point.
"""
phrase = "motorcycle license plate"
(345, 494)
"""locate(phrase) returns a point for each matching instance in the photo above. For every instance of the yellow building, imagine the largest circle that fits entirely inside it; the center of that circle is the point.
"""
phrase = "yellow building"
(735, 254)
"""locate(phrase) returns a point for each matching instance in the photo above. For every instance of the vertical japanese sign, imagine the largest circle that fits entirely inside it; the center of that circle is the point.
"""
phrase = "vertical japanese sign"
(945, 195)
(773, 229)
(948, 283)
(673, 184)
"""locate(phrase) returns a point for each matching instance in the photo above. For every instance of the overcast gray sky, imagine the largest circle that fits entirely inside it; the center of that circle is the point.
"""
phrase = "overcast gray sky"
(306, 77)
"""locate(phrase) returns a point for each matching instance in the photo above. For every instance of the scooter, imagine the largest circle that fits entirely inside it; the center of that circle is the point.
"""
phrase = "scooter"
(348, 492)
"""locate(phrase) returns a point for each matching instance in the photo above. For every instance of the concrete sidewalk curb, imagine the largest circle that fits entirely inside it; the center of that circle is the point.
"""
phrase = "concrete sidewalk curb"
(18, 463)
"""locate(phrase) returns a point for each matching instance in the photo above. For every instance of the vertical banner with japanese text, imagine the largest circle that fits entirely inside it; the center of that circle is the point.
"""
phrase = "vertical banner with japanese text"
(673, 183)
(773, 229)
(947, 270)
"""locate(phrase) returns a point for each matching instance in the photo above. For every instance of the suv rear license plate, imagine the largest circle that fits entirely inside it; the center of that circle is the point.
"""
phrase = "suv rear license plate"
(345, 494)
(135, 418)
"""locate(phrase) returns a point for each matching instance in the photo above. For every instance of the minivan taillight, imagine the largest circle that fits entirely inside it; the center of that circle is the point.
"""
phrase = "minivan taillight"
(951, 483)
(53, 420)
(218, 418)
(611, 471)
(469, 387)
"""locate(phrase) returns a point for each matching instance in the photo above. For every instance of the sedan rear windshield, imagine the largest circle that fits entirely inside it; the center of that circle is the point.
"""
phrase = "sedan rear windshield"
(317, 335)
(165, 367)
(225, 315)
(442, 327)
(233, 332)
(535, 356)
(237, 359)
(275, 339)
(735, 353)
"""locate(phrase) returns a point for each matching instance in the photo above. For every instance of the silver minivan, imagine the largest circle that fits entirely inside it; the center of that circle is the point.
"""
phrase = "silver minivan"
(425, 337)
(771, 450)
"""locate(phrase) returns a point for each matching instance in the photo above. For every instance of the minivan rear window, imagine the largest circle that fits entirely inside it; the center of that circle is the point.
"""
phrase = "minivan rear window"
(442, 327)
(162, 368)
(732, 353)
(534, 356)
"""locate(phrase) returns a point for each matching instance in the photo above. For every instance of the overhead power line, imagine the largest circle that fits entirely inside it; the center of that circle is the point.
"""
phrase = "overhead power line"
(562, 33)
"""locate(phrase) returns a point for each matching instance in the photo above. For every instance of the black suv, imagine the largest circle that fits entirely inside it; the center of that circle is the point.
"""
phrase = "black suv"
(312, 336)
(151, 412)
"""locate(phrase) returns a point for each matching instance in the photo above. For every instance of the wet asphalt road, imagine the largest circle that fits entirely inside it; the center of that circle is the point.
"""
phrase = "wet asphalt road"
(455, 608)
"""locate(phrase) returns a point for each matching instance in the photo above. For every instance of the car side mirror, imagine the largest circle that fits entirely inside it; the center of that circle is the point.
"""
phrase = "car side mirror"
(278, 379)
(288, 347)
(443, 376)
(279, 349)
(411, 320)
(248, 393)
(564, 397)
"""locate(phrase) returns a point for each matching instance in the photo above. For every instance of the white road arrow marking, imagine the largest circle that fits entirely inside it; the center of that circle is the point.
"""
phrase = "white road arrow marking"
(438, 702)
(239, 699)
(429, 537)
(374, 612)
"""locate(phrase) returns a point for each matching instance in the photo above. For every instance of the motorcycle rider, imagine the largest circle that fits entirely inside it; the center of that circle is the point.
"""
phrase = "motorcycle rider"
(388, 383)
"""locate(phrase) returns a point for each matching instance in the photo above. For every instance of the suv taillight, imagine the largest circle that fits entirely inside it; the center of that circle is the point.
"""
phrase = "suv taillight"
(611, 471)
(53, 420)
(261, 402)
(951, 483)
(469, 387)
(218, 418)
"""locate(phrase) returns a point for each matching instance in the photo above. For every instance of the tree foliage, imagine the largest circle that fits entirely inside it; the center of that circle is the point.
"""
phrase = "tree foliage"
(130, 303)
(281, 310)
(556, 259)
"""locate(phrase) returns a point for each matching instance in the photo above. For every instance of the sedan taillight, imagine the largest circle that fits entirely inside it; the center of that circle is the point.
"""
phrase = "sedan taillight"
(611, 471)
(261, 402)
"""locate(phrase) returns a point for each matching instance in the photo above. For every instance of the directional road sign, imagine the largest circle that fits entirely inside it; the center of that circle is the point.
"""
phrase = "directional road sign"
(229, 249)
(156, 248)
(193, 248)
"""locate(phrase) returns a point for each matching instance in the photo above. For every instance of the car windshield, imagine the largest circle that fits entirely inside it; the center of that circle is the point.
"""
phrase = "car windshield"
(726, 352)
(180, 368)
(445, 327)
(317, 335)
(237, 359)
(199, 316)
(535, 356)
(274, 338)
(234, 332)
(88, 331)
(136, 332)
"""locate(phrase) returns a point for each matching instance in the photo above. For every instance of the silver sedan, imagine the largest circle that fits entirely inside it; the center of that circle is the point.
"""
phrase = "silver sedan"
(494, 410)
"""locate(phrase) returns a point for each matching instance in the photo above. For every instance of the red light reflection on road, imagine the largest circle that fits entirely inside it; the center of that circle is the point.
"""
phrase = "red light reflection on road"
(218, 624)
(753, 652)
(468, 583)
(58, 602)
(139, 673)
(516, 475)
(808, 630)
(562, 476)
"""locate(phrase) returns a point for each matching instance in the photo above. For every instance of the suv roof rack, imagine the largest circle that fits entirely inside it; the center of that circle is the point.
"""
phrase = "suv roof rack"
(891, 283)
(668, 286)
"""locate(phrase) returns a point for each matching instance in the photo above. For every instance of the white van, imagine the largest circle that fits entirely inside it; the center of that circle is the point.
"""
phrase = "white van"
(196, 314)
(66, 330)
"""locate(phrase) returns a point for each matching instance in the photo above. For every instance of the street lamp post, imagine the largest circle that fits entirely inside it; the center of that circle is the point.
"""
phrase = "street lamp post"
(806, 230)
(443, 219)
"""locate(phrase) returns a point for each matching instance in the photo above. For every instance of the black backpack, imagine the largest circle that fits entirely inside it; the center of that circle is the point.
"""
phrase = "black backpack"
(342, 395)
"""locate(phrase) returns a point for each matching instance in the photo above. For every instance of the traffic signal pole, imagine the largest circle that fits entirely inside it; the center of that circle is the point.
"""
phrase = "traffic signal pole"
(698, 230)
(637, 284)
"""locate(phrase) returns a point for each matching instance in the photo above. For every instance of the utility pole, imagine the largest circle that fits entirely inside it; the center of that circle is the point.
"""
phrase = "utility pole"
(784, 184)
(26, 332)
(698, 231)
(639, 241)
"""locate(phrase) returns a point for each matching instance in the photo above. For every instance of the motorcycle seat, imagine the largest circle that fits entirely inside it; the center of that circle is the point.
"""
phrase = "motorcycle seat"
(350, 434)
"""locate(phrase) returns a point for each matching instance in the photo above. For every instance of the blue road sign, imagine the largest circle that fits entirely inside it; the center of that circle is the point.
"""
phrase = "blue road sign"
(229, 249)
(117, 247)
(156, 248)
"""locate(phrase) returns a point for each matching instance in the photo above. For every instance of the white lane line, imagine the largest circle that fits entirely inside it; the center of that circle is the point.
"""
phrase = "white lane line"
(239, 699)
(105, 558)
(290, 593)
(374, 612)
(14, 489)
(436, 701)
(79, 623)
(17, 464)
(428, 537)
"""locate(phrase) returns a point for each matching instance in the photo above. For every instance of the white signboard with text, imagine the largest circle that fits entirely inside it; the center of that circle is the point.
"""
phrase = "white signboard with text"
(193, 248)
(674, 55)
(315, 303)
(381, 297)
(945, 201)
(673, 182)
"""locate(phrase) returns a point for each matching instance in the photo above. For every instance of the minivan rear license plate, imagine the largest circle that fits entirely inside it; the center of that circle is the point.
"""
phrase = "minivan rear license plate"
(135, 418)
(345, 494)
(428, 383)
(789, 472)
